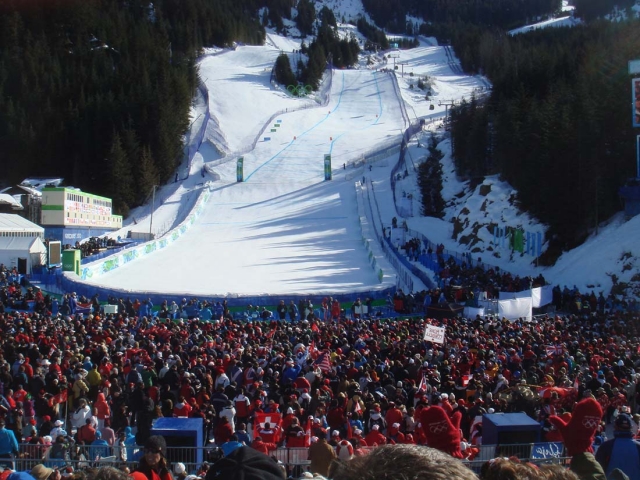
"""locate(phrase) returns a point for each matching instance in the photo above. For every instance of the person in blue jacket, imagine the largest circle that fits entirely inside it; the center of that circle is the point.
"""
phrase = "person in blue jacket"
(231, 445)
(73, 304)
(8, 445)
(622, 451)
(99, 447)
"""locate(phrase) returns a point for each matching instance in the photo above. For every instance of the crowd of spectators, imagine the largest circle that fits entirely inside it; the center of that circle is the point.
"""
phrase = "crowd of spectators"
(93, 384)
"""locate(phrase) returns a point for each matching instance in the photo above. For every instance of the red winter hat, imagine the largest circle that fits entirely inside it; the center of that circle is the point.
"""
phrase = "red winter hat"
(442, 432)
(579, 432)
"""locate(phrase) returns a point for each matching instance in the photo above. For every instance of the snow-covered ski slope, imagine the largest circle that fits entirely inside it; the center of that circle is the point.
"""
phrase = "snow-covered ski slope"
(284, 230)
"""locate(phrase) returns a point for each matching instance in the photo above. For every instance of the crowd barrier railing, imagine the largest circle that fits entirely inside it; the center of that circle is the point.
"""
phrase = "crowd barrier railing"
(193, 457)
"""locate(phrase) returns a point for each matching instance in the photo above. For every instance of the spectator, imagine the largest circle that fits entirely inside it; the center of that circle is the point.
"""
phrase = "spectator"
(8, 445)
(321, 455)
(154, 464)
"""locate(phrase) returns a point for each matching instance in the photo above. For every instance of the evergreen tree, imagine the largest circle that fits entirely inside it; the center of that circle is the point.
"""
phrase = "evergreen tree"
(146, 175)
(284, 74)
(120, 179)
(327, 17)
(430, 181)
(306, 17)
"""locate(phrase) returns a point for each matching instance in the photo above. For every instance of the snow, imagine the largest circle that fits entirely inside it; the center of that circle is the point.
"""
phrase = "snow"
(566, 21)
(285, 230)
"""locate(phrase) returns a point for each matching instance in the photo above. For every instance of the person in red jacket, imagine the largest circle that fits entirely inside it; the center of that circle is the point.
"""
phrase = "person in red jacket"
(102, 409)
(394, 414)
(242, 405)
(269, 434)
(86, 433)
(336, 416)
(408, 439)
(374, 437)
(182, 408)
(288, 419)
(394, 435)
(357, 434)
(223, 431)
(263, 447)
(294, 435)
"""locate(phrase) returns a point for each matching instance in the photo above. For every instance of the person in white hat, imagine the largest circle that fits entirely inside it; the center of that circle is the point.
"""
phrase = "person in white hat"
(58, 430)
(180, 471)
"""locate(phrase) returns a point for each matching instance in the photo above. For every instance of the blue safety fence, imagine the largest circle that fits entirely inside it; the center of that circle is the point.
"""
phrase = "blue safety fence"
(439, 257)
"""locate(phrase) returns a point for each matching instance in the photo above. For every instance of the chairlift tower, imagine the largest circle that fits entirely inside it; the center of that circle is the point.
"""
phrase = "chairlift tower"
(394, 56)
(447, 104)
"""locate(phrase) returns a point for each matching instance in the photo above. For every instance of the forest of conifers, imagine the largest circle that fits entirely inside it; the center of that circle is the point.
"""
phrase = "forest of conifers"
(98, 92)
(557, 124)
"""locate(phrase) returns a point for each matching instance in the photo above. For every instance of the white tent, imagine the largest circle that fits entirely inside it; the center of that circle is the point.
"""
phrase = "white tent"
(6, 199)
(12, 225)
(30, 249)
(21, 243)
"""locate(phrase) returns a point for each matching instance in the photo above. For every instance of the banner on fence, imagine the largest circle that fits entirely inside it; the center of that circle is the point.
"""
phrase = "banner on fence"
(547, 450)
(515, 308)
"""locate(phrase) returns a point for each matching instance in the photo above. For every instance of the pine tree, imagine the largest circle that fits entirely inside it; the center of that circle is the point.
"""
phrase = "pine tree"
(306, 17)
(284, 74)
(146, 174)
(430, 181)
(121, 181)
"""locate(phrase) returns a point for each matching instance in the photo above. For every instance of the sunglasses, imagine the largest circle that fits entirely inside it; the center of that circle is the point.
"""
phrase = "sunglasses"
(153, 450)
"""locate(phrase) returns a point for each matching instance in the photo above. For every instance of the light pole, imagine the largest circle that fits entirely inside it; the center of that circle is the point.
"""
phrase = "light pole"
(153, 207)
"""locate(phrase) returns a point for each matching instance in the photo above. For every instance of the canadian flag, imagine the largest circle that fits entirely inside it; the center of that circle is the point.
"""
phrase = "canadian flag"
(423, 385)
(307, 433)
(465, 380)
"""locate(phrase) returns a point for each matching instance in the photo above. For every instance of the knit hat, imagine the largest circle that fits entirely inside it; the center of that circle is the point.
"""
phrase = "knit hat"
(179, 468)
(579, 432)
(623, 422)
(156, 442)
(245, 463)
(442, 432)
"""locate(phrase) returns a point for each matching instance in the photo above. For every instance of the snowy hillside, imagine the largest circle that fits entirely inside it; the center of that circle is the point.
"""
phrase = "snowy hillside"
(272, 220)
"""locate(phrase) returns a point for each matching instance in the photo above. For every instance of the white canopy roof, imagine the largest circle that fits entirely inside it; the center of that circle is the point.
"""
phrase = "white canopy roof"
(6, 198)
(15, 223)
(22, 244)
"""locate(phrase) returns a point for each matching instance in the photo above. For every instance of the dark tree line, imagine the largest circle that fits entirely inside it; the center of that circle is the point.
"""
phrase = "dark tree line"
(592, 9)
(430, 181)
(99, 92)
(306, 17)
(391, 14)
(374, 36)
(327, 47)
(556, 124)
